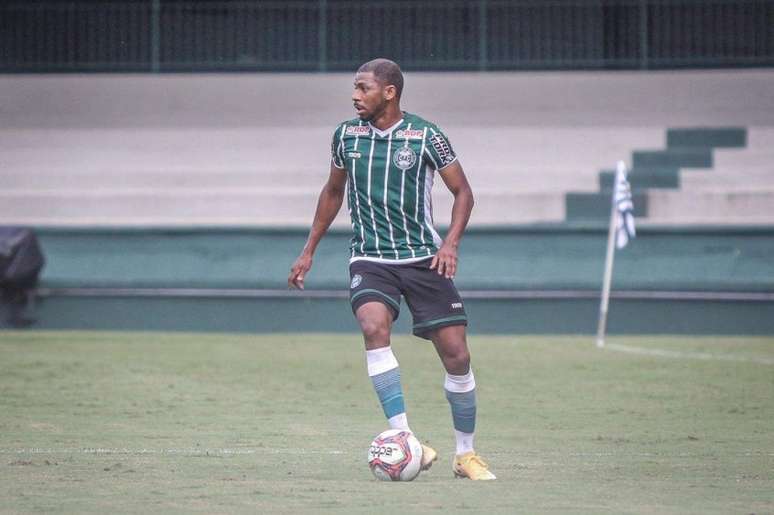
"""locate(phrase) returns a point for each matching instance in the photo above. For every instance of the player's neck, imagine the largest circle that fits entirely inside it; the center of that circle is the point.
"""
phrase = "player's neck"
(388, 118)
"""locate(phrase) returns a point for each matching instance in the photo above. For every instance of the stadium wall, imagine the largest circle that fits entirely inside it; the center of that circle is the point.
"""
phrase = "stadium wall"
(529, 279)
(583, 100)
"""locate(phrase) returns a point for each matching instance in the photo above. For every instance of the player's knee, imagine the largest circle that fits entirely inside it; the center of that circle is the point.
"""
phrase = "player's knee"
(375, 331)
(457, 361)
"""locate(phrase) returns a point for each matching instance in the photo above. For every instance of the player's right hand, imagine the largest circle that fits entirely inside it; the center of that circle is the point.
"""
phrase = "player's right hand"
(298, 271)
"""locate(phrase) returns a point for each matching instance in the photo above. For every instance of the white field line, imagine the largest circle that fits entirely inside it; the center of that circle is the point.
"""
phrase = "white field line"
(103, 451)
(225, 452)
(673, 354)
(194, 451)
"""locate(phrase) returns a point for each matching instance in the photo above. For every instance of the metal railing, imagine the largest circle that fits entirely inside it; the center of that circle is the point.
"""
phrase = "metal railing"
(307, 35)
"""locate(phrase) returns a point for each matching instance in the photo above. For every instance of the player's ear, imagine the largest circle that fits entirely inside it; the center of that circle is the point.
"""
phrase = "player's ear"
(390, 92)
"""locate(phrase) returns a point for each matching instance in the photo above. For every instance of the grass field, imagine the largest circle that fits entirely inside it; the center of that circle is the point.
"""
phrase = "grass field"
(133, 422)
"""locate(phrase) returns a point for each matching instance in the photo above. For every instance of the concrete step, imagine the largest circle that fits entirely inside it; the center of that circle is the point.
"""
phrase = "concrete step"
(675, 98)
(740, 160)
(641, 178)
(525, 180)
(596, 206)
(108, 207)
(163, 180)
(481, 150)
(707, 137)
(122, 150)
(504, 207)
(711, 206)
(759, 137)
(241, 206)
(729, 181)
(673, 157)
(727, 220)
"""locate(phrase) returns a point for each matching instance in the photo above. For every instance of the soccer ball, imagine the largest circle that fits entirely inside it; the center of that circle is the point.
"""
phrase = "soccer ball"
(395, 455)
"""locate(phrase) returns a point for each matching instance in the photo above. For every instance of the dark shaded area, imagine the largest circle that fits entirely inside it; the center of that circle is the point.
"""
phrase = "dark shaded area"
(21, 261)
(311, 35)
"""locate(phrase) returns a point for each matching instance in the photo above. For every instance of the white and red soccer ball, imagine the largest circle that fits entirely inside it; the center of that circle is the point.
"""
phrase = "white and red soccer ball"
(395, 455)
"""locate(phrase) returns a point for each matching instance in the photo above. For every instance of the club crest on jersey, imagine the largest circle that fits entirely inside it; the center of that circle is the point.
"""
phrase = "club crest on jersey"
(404, 158)
(409, 134)
(356, 280)
(359, 130)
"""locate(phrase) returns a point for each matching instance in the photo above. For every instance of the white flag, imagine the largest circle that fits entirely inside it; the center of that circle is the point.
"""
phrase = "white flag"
(624, 208)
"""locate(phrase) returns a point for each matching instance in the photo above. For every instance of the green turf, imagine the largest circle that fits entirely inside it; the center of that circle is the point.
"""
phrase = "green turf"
(133, 422)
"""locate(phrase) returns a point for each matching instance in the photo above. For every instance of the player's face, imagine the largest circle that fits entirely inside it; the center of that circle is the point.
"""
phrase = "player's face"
(369, 96)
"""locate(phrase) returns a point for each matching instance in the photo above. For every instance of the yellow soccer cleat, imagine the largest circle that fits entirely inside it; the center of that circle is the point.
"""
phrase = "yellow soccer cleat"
(428, 457)
(471, 466)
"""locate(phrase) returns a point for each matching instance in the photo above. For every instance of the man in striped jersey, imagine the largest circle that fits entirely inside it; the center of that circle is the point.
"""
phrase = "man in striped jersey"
(385, 161)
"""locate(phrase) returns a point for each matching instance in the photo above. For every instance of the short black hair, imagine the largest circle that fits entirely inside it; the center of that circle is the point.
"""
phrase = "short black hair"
(385, 71)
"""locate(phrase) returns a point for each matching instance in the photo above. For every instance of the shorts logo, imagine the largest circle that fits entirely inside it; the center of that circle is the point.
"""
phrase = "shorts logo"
(360, 130)
(356, 280)
(409, 133)
(354, 155)
(404, 158)
(456, 305)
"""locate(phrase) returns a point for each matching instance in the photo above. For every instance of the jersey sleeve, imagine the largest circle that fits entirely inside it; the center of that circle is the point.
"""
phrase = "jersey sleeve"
(337, 148)
(438, 150)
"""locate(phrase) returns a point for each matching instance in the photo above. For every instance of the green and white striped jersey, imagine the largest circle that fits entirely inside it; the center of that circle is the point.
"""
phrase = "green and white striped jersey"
(390, 175)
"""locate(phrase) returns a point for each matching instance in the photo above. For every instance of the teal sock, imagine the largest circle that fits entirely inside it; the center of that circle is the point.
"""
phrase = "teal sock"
(461, 394)
(390, 393)
(385, 375)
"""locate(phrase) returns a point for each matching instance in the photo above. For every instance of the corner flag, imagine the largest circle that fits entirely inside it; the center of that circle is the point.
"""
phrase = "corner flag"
(624, 207)
(621, 229)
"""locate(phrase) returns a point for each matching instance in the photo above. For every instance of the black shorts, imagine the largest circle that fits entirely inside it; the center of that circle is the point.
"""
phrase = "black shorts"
(433, 300)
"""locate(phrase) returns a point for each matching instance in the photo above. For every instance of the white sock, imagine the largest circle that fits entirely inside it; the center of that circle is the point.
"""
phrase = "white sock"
(464, 442)
(380, 360)
(460, 384)
(399, 421)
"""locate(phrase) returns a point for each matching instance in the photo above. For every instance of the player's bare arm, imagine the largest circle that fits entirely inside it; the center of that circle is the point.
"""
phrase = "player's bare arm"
(445, 259)
(328, 205)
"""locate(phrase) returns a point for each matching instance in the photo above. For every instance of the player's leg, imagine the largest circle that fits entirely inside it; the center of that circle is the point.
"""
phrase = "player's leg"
(375, 321)
(375, 300)
(459, 383)
(460, 388)
(439, 316)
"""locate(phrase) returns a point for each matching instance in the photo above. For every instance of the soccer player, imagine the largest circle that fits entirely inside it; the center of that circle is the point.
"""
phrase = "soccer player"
(385, 161)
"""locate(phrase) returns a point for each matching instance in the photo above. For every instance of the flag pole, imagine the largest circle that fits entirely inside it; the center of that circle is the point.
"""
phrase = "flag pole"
(602, 324)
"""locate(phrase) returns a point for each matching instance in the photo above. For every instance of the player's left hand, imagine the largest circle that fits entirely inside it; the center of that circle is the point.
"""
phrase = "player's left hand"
(445, 261)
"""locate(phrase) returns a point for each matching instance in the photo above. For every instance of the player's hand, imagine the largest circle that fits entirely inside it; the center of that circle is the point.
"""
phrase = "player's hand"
(445, 261)
(299, 270)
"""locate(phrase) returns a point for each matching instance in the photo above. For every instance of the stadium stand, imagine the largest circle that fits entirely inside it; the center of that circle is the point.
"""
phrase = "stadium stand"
(227, 149)
(737, 189)
(653, 171)
(178, 201)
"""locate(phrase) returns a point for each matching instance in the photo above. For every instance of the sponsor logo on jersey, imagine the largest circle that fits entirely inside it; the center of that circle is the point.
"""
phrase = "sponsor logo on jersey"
(404, 158)
(360, 130)
(456, 305)
(443, 149)
(409, 134)
(356, 280)
(354, 155)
